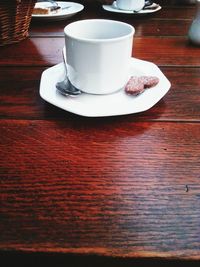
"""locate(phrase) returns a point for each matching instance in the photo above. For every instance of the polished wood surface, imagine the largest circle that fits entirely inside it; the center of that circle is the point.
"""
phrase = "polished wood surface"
(123, 188)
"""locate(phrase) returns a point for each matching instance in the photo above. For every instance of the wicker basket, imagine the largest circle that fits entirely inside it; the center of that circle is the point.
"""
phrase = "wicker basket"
(15, 18)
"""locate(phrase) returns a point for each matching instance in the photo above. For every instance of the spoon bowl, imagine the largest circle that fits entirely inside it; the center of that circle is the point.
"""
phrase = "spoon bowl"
(65, 87)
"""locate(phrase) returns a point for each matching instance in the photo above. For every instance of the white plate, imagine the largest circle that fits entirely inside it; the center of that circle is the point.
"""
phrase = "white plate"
(118, 103)
(64, 13)
(114, 8)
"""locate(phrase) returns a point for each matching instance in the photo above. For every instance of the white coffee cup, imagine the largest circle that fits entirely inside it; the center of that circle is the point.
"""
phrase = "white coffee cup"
(135, 5)
(98, 54)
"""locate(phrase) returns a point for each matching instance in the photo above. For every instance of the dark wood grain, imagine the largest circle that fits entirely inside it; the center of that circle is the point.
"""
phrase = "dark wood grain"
(166, 22)
(47, 51)
(98, 202)
(22, 100)
(146, 27)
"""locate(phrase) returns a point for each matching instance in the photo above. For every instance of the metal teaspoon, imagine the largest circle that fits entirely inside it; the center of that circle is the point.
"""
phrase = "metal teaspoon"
(65, 87)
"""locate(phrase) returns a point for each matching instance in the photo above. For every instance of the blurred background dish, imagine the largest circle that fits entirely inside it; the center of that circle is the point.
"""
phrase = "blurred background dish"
(148, 8)
(64, 10)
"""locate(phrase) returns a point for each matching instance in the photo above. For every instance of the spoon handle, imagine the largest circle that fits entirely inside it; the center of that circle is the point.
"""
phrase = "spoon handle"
(64, 60)
(65, 87)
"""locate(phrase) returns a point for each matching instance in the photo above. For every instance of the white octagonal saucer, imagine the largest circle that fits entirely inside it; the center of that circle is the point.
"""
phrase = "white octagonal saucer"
(114, 104)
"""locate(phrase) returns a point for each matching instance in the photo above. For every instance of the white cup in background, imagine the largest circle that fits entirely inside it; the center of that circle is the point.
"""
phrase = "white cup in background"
(135, 5)
(98, 54)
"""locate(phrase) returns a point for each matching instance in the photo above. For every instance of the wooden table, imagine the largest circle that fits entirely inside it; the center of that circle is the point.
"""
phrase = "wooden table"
(123, 188)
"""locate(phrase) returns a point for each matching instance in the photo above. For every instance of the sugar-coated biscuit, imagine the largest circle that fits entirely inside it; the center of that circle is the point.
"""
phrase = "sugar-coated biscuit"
(134, 86)
(149, 81)
(137, 84)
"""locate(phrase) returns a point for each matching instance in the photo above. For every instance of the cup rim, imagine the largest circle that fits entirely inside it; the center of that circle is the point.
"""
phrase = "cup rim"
(97, 40)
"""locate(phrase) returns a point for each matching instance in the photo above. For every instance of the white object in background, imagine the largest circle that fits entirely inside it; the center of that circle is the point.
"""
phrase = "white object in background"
(113, 8)
(68, 9)
(98, 52)
(135, 5)
(194, 30)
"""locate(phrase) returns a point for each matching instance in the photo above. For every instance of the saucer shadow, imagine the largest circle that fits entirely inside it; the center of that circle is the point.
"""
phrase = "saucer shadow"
(41, 259)
(65, 119)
